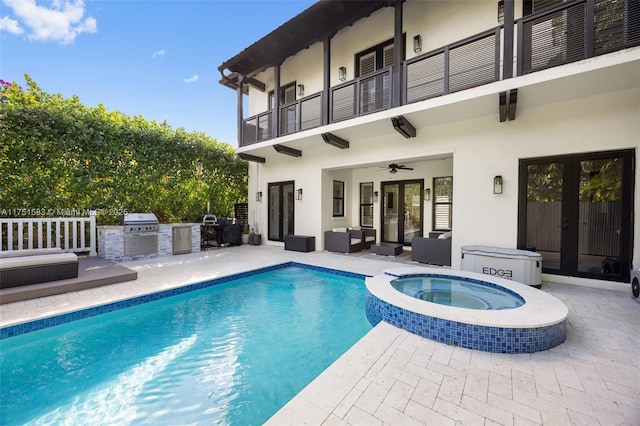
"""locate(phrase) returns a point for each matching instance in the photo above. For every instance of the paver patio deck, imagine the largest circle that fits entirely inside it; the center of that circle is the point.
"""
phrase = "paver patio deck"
(396, 378)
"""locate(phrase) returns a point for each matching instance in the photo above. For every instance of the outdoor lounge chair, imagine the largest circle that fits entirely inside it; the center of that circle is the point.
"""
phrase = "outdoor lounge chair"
(343, 240)
(434, 250)
(358, 239)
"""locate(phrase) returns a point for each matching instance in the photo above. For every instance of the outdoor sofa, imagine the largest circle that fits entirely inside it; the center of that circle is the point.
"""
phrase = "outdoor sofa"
(345, 240)
(32, 266)
(435, 250)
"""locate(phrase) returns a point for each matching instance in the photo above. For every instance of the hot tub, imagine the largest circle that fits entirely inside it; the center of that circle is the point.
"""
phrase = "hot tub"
(537, 324)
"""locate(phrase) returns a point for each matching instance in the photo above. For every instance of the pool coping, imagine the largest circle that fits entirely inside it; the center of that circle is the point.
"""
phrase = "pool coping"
(25, 327)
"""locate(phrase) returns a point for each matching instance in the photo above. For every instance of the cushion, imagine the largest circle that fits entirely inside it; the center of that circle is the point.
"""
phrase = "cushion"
(29, 252)
(340, 229)
(37, 260)
(445, 236)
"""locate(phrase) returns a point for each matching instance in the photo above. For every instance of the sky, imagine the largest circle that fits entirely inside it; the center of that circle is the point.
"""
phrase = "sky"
(154, 58)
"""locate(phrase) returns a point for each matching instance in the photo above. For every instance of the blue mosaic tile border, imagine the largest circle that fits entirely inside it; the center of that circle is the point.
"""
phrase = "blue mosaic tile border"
(28, 327)
(470, 336)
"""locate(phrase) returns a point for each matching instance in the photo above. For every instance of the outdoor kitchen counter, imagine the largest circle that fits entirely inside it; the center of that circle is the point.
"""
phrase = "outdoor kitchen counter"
(111, 245)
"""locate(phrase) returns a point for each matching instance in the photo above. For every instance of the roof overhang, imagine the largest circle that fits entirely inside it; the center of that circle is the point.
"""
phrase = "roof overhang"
(320, 21)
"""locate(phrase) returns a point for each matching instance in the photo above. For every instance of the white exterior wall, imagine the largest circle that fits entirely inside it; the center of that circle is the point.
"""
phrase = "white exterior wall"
(439, 23)
(305, 68)
(472, 150)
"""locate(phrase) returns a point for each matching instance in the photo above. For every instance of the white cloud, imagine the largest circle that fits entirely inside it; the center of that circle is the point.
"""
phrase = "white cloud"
(191, 79)
(158, 53)
(10, 25)
(62, 21)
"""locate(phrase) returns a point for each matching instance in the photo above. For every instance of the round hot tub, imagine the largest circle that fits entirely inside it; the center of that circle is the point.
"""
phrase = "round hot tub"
(467, 309)
(461, 293)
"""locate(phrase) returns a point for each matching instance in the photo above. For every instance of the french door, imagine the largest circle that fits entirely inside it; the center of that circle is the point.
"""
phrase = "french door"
(280, 210)
(402, 207)
(577, 212)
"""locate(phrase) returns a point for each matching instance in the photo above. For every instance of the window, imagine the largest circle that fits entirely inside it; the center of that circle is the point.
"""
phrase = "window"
(375, 58)
(366, 205)
(375, 90)
(442, 203)
(287, 94)
(338, 198)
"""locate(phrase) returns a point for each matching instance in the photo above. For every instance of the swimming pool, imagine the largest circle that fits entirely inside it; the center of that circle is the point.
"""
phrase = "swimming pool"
(536, 325)
(233, 352)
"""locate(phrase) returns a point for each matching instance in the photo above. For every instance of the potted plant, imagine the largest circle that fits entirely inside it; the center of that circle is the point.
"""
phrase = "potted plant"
(245, 234)
(255, 239)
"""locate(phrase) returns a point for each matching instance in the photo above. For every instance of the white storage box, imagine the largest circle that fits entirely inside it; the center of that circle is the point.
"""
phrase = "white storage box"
(522, 266)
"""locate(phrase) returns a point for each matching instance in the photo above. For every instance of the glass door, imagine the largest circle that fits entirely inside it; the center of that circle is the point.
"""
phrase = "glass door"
(577, 212)
(281, 211)
(402, 207)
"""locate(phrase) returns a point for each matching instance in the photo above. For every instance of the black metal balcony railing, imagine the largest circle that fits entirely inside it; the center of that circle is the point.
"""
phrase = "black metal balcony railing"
(257, 128)
(575, 31)
(303, 114)
(361, 96)
(557, 35)
(462, 65)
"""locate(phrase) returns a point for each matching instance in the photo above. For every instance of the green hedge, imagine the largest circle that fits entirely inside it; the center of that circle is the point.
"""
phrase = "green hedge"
(59, 156)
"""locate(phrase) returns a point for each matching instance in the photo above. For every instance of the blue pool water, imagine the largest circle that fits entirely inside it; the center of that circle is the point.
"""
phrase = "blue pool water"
(461, 293)
(233, 353)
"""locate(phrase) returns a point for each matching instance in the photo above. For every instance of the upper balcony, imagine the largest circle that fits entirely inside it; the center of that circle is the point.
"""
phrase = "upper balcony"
(558, 35)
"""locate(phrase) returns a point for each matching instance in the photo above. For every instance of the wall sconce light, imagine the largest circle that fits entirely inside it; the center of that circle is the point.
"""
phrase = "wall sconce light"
(301, 90)
(342, 73)
(497, 185)
(427, 194)
(299, 194)
(417, 43)
(259, 196)
(375, 196)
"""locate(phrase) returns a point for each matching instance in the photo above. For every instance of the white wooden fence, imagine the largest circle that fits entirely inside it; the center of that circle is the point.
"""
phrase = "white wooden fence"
(72, 234)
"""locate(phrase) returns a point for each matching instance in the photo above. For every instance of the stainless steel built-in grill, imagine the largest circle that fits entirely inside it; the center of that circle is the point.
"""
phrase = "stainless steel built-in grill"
(140, 234)
(140, 223)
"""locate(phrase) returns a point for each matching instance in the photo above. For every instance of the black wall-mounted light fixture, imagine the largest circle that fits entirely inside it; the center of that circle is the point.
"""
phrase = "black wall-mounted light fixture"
(417, 43)
(403, 127)
(427, 194)
(342, 73)
(259, 196)
(301, 90)
(299, 194)
(288, 151)
(497, 185)
(375, 196)
(334, 140)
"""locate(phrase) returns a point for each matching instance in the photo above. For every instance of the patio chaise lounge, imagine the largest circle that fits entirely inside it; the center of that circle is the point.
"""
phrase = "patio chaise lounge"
(32, 266)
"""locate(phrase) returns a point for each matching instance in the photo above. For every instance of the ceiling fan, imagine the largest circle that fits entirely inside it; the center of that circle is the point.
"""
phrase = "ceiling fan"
(393, 168)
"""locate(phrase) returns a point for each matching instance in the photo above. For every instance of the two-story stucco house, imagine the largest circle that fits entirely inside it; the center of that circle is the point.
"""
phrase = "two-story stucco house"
(511, 123)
